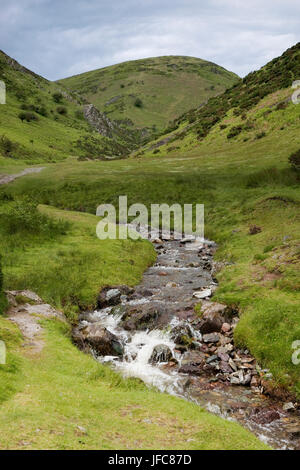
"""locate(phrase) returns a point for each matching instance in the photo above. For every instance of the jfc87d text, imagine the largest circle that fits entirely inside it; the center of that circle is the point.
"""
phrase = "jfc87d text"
(178, 459)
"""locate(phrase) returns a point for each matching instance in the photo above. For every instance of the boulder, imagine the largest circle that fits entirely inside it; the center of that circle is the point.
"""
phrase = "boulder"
(193, 357)
(182, 334)
(193, 363)
(213, 317)
(202, 294)
(110, 296)
(140, 319)
(161, 353)
(102, 341)
(211, 338)
(225, 328)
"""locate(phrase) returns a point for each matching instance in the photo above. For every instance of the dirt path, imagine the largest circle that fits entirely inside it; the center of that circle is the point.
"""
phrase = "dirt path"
(5, 179)
(26, 310)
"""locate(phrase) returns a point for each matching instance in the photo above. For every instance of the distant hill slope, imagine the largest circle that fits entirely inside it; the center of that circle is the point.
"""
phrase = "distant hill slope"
(254, 107)
(151, 92)
(41, 121)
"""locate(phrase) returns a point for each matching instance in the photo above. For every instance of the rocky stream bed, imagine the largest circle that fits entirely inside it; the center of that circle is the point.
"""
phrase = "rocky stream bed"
(153, 333)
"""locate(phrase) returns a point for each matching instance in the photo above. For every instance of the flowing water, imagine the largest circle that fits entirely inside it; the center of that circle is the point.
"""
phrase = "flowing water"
(169, 285)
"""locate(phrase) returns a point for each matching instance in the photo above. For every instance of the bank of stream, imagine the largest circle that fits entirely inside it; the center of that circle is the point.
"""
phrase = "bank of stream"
(153, 333)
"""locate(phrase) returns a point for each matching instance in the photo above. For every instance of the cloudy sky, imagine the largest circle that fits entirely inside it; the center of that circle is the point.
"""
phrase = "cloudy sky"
(59, 38)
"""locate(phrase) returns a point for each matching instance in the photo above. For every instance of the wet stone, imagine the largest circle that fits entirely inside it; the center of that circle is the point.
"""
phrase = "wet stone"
(161, 353)
(211, 338)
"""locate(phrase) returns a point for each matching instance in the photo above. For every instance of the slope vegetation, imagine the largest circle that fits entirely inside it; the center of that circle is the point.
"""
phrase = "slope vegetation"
(151, 92)
(41, 121)
(249, 109)
(240, 170)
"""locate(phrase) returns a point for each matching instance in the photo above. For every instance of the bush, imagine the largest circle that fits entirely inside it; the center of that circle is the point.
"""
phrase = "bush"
(138, 103)
(57, 97)
(260, 135)
(6, 145)
(62, 110)
(294, 160)
(234, 131)
(28, 116)
(39, 109)
(24, 216)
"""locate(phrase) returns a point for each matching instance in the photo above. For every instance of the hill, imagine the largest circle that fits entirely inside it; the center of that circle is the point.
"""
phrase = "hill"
(231, 155)
(257, 105)
(41, 121)
(239, 168)
(151, 92)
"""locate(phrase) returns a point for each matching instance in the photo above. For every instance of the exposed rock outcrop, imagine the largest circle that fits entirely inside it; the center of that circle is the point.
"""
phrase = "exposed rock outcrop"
(99, 121)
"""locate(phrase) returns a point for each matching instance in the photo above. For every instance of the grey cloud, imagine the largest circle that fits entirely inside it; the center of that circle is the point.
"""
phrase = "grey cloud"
(59, 38)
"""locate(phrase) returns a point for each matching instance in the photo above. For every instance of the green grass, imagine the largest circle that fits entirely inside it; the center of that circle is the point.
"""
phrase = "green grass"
(59, 129)
(68, 270)
(166, 86)
(241, 183)
(115, 414)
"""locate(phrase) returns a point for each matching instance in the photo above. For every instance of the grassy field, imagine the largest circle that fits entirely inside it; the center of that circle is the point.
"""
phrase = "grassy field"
(66, 267)
(166, 86)
(241, 183)
(238, 167)
(87, 406)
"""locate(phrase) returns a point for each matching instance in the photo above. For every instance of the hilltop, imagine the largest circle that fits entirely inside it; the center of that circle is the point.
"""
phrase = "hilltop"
(151, 92)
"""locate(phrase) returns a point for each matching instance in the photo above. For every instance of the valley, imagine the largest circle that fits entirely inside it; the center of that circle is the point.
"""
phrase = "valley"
(233, 156)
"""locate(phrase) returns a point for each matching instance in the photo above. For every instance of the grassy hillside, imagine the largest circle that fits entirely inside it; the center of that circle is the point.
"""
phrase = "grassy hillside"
(244, 180)
(42, 122)
(251, 108)
(61, 398)
(151, 92)
(238, 166)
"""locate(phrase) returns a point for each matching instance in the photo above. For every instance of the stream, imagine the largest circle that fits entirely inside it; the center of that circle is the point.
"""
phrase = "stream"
(159, 339)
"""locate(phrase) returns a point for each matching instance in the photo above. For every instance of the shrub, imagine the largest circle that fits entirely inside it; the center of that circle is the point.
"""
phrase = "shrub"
(22, 116)
(138, 103)
(62, 110)
(28, 116)
(7, 146)
(57, 97)
(294, 160)
(234, 131)
(260, 135)
(24, 216)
